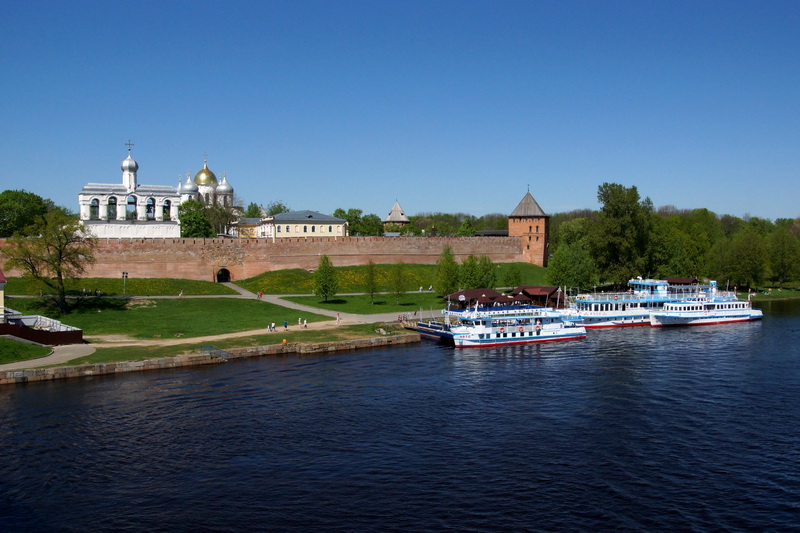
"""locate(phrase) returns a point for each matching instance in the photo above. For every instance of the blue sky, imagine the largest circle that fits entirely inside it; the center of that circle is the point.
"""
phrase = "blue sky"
(444, 106)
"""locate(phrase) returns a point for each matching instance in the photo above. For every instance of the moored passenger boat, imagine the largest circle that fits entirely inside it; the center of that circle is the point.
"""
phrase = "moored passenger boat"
(703, 312)
(483, 317)
(634, 306)
(517, 325)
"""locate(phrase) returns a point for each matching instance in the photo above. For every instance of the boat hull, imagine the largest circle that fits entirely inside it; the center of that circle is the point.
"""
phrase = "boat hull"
(435, 331)
(666, 320)
(461, 342)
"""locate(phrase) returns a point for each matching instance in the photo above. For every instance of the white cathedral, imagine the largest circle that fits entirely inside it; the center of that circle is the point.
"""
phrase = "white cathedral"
(130, 210)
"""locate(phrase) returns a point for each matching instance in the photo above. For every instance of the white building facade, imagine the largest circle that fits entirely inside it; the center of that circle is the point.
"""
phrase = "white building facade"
(131, 210)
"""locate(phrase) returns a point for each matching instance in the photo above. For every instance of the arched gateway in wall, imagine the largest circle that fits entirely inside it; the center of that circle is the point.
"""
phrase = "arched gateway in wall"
(223, 275)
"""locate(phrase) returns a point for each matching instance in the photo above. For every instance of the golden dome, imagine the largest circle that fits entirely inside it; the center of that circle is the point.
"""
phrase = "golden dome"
(205, 176)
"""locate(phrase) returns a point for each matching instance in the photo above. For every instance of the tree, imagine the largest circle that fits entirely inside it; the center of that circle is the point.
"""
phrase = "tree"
(399, 280)
(488, 272)
(19, 208)
(253, 210)
(513, 276)
(469, 274)
(572, 266)
(742, 258)
(326, 283)
(56, 250)
(371, 281)
(353, 218)
(466, 229)
(277, 207)
(194, 223)
(620, 239)
(221, 215)
(446, 272)
(371, 225)
(784, 254)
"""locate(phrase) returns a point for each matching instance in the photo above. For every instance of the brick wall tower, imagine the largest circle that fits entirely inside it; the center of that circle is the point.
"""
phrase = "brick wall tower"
(532, 226)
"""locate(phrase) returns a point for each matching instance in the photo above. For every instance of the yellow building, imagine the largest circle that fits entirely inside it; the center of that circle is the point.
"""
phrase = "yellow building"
(291, 224)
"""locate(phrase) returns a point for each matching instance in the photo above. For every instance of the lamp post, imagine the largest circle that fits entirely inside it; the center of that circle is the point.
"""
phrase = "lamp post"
(124, 279)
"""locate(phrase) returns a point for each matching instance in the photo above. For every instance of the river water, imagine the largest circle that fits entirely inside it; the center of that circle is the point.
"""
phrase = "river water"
(630, 429)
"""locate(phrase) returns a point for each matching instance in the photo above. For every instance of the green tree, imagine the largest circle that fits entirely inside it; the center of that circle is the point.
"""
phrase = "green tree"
(410, 230)
(353, 218)
(276, 207)
(572, 266)
(56, 250)
(371, 225)
(446, 272)
(469, 274)
(220, 217)
(513, 275)
(784, 255)
(326, 282)
(620, 239)
(19, 208)
(194, 223)
(488, 272)
(399, 280)
(371, 281)
(466, 229)
(253, 210)
(742, 258)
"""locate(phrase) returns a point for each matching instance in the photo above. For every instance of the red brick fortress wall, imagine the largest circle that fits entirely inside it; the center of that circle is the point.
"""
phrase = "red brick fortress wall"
(201, 259)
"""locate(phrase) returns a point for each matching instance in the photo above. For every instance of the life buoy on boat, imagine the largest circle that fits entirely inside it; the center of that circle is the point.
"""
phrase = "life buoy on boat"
(521, 329)
(502, 330)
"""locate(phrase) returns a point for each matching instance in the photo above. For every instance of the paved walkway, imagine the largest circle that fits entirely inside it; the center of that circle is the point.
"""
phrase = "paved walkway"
(68, 352)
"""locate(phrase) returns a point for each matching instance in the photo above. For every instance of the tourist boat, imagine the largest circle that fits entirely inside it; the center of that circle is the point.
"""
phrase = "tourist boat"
(500, 326)
(634, 306)
(705, 311)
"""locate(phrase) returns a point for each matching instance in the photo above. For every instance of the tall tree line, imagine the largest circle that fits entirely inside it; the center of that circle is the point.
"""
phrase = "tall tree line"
(627, 237)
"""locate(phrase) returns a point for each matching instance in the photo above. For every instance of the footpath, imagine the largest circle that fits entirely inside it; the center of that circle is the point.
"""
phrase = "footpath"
(62, 354)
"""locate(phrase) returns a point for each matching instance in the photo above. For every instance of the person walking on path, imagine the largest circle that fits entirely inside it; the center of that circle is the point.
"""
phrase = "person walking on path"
(285, 326)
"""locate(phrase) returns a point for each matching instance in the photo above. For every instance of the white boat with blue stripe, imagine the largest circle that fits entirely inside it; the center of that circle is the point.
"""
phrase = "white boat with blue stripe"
(512, 325)
(634, 306)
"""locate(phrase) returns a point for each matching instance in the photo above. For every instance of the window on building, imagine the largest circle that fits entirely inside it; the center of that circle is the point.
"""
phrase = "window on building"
(305, 229)
(330, 229)
(130, 211)
(313, 229)
(111, 210)
(166, 209)
(150, 209)
(94, 209)
(279, 229)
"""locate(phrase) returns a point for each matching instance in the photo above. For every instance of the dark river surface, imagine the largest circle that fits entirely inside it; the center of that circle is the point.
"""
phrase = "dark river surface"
(633, 429)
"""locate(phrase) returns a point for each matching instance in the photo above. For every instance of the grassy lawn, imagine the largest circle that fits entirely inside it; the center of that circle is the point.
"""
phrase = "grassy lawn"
(384, 303)
(148, 319)
(352, 279)
(113, 287)
(12, 351)
(767, 294)
(140, 353)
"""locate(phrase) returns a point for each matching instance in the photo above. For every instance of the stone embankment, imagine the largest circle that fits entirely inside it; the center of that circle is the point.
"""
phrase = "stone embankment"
(207, 357)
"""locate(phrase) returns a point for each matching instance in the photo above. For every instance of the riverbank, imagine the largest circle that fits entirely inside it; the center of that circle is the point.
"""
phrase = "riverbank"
(206, 357)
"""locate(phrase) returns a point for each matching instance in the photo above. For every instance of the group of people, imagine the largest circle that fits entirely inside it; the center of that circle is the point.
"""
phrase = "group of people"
(302, 323)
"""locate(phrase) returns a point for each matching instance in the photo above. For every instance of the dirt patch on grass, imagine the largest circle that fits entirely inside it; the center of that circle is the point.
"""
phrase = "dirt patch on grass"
(140, 304)
(109, 338)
